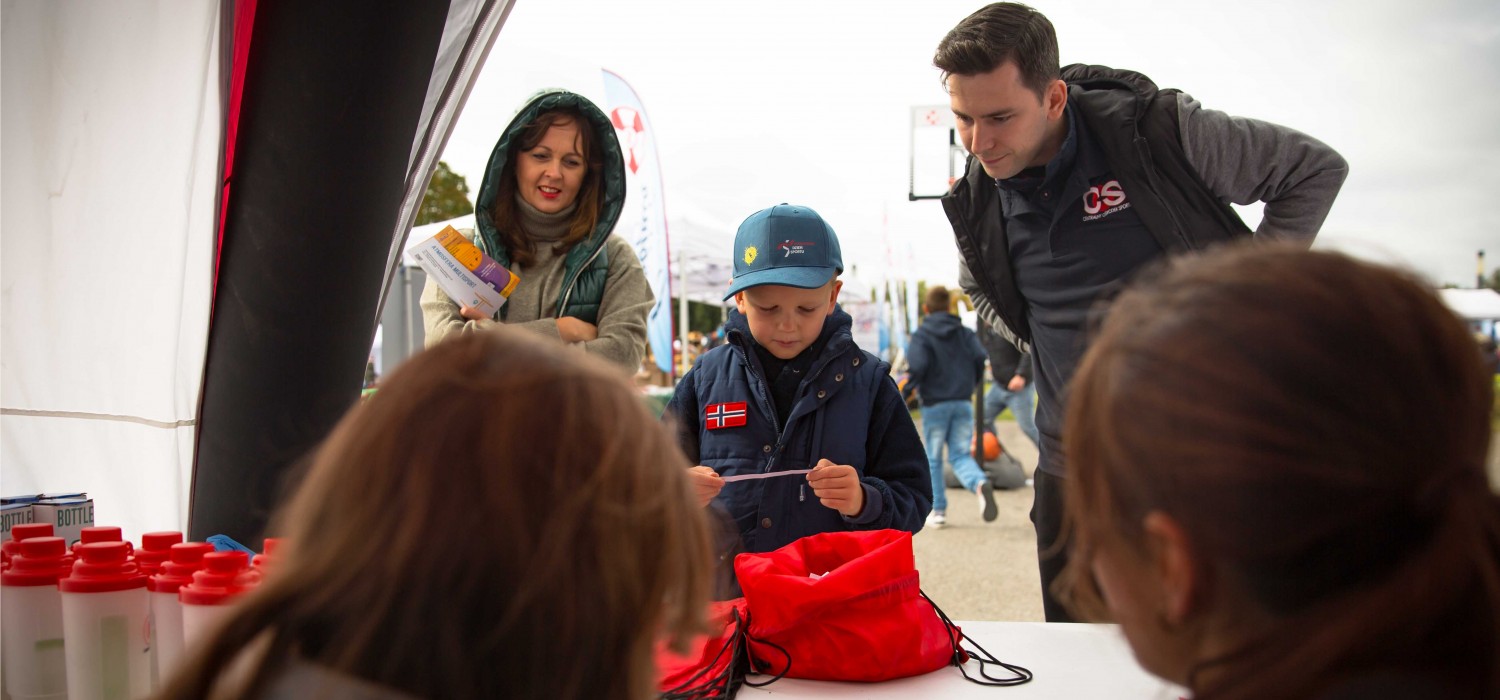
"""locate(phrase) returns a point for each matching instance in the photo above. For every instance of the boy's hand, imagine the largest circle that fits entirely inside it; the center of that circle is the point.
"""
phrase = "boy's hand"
(837, 487)
(706, 483)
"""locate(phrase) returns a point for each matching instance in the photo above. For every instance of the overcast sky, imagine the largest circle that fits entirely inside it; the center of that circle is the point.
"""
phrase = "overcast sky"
(808, 101)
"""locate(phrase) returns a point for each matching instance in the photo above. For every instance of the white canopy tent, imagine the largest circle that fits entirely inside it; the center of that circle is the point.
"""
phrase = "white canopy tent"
(158, 336)
(1473, 304)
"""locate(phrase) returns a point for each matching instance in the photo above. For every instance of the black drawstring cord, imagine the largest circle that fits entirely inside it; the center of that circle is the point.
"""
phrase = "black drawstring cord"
(983, 656)
(777, 647)
(724, 684)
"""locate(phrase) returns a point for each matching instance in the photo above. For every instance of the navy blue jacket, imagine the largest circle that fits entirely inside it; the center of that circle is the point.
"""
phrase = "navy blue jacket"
(945, 359)
(846, 410)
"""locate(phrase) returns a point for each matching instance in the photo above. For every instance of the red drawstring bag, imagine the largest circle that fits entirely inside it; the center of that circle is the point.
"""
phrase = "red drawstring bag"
(843, 606)
(714, 666)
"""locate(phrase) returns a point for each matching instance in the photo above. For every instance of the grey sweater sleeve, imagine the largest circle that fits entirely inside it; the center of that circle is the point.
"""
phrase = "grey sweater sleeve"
(1247, 160)
(986, 308)
(440, 315)
(622, 312)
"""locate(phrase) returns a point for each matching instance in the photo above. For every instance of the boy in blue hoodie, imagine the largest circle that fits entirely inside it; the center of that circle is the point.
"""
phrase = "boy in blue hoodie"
(947, 363)
(796, 430)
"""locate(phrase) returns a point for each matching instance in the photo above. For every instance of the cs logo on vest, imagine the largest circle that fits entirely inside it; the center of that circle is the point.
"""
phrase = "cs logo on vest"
(1102, 200)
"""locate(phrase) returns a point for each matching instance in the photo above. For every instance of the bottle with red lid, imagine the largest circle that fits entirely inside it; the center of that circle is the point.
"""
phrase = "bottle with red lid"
(24, 531)
(166, 611)
(155, 548)
(267, 557)
(105, 611)
(102, 533)
(31, 612)
(223, 577)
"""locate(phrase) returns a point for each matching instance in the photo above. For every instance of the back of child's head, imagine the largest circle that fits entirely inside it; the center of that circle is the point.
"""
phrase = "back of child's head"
(788, 245)
(1319, 427)
(501, 506)
(938, 300)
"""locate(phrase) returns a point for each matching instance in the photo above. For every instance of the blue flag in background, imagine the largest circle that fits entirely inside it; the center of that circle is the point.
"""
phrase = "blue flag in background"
(643, 222)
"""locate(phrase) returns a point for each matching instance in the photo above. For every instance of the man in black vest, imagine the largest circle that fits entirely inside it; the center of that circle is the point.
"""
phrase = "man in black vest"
(1079, 176)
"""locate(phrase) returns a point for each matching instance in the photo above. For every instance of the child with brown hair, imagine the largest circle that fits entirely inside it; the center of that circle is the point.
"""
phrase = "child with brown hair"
(503, 519)
(1277, 482)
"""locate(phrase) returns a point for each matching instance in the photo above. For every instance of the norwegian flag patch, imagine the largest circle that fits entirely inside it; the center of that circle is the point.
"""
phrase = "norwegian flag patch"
(724, 415)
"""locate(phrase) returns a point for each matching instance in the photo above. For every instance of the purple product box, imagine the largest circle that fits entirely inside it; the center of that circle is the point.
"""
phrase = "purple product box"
(495, 275)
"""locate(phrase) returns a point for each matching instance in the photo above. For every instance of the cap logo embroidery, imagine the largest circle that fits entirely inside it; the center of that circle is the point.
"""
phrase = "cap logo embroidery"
(794, 247)
(750, 253)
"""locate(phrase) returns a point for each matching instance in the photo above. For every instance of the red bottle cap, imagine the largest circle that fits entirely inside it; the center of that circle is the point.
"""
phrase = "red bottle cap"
(155, 548)
(40, 561)
(102, 567)
(177, 571)
(102, 533)
(30, 530)
(224, 576)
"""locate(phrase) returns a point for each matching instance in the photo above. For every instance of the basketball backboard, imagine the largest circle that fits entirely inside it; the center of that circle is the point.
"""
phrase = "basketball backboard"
(937, 158)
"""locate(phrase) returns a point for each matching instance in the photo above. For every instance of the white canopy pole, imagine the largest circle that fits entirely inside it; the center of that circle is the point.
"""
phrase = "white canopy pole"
(682, 312)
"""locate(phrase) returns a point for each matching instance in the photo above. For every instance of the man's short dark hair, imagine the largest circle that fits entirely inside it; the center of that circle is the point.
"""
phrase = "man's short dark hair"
(938, 300)
(1000, 32)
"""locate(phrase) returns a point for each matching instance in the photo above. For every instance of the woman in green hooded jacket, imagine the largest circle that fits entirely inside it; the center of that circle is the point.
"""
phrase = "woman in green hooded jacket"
(551, 194)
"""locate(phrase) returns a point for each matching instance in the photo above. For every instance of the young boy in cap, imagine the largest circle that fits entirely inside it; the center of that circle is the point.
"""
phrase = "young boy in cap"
(796, 430)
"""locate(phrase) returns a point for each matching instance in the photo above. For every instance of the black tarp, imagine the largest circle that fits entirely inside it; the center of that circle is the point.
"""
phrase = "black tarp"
(333, 93)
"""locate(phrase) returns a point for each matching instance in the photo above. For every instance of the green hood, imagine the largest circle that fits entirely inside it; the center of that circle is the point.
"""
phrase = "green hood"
(614, 174)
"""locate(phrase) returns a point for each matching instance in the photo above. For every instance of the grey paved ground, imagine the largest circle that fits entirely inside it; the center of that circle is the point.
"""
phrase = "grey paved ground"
(987, 571)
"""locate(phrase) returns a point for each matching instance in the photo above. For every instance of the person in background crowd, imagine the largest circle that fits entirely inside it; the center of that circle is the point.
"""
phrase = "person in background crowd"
(1010, 370)
(1076, 178)
(495, 509)
(947, 363)
(1263, 506)
(552, 193)
(1490, 352)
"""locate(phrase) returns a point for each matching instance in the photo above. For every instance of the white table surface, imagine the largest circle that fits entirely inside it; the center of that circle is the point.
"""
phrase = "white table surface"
(1072, 661)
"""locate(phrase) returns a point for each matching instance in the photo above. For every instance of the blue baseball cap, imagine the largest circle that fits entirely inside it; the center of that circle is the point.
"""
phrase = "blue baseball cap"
(789, 245)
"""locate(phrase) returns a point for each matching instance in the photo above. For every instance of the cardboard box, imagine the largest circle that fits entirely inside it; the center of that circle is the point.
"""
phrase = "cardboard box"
(14, 514)
(68, 515)
(464, 272)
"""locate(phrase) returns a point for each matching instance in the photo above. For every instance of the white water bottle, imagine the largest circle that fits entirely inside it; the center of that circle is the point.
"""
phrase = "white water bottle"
(166, 611)
(104, 621)
(223, 577)
(35, 666)
(155, 548)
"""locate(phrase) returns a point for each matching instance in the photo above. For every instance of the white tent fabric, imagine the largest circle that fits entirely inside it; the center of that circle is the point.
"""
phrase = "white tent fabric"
(700, 247)
(111, 163)
(1473, 304)
(112, 133)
